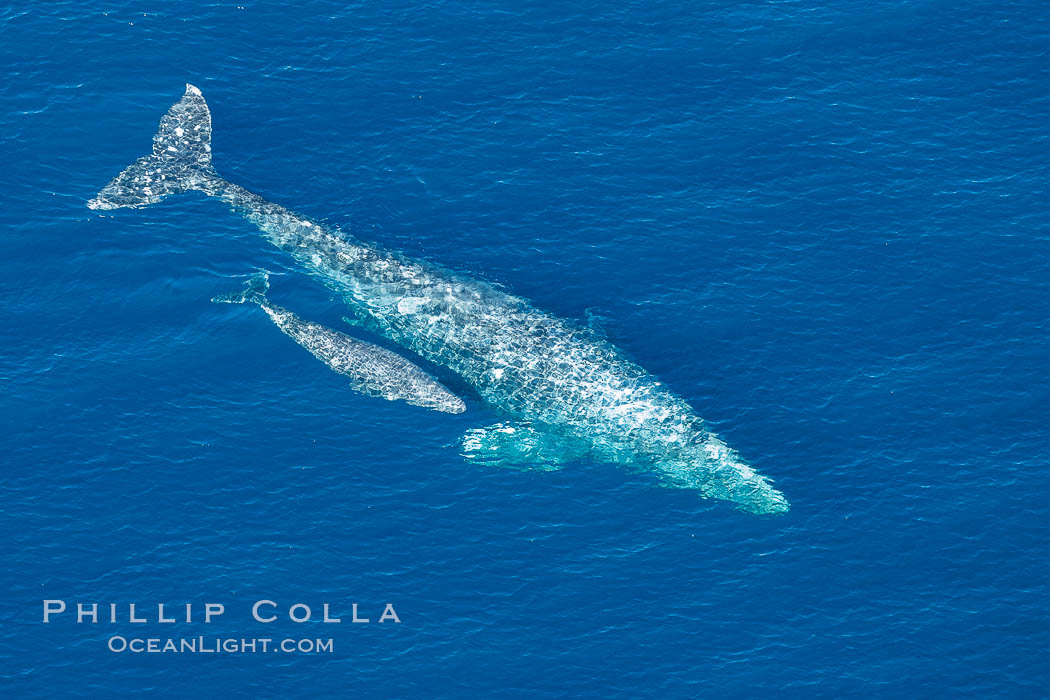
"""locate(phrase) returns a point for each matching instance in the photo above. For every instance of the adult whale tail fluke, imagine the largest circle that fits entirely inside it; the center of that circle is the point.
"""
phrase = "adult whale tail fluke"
(181, 158)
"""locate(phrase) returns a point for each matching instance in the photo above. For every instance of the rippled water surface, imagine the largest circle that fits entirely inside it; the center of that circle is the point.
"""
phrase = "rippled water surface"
(821, 224)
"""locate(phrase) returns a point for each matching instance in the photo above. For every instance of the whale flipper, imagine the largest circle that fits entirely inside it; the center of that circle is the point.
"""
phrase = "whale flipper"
(181, 159)
(519, 446)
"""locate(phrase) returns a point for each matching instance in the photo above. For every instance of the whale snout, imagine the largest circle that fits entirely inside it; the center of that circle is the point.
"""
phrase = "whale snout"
(452, 404)
(773, 502)
(737, 482)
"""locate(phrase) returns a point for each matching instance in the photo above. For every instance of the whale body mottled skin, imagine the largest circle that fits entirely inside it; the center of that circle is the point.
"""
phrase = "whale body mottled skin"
(558, 378)
(373, 370)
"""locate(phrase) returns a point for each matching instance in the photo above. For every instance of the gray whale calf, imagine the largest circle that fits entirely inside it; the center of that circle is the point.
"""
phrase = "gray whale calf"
(373, 370)
(560, 379)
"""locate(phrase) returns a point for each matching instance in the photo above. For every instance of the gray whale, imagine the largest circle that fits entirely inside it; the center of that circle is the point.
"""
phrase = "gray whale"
(373, 370)
(557, 379)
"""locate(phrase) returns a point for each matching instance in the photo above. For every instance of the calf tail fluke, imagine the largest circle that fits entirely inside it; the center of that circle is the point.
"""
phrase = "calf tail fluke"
(254, 291)
(181, 159)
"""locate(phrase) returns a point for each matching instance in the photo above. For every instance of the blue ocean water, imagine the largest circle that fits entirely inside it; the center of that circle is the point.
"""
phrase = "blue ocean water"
(821, 223)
